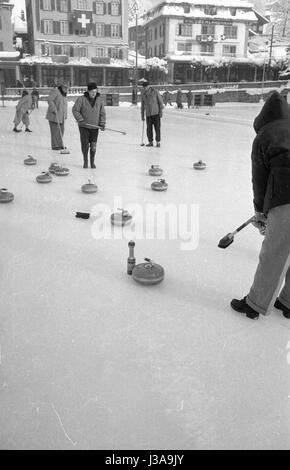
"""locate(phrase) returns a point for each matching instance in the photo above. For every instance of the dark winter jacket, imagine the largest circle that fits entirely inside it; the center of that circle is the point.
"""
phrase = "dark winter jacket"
(271, 155)
(86, 111)
(151, 103)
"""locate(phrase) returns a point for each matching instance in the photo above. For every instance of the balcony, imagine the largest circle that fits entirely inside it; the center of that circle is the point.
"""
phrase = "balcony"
(207, 38)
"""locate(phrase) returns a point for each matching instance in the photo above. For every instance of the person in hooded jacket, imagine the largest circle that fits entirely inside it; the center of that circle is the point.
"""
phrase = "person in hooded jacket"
(22, 112)
(57, 114)
(90, 114)
(152, 107)
(271, 189)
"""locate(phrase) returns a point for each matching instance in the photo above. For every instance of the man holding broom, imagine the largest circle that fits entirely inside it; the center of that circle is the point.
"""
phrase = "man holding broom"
(57, 114)
(271, 187)
(89, 112)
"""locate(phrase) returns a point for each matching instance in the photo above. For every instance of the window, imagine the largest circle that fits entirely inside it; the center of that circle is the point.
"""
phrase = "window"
(184, 46)
(150, 35)
(47, 26)
(64, 27)
(186, 8)
(231, 32)
(47, 4)
(229, 50)
(161, 30)
(210, 10)
(115, 30)
(66, 50)
(155, 33)
(1, 46)
(63, 5)
(208, 29)
(233, 11)
(0, 22)
(82, 52)
(155, 51)
(113, 52)
(184, 29)
(206, 49)
(99, 8)
(82, 5)
(100, 30)
(45, 49)
(149, 52)
(115, 8)
(100, 52)
(57, 50)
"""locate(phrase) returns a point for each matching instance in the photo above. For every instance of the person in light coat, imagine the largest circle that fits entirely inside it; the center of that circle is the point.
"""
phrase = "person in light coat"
(57, 114)
(152, 107)
(22, 112)
(89, 112)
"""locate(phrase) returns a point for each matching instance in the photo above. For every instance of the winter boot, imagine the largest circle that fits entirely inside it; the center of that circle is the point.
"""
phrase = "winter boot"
(27, 130)
(242, 307)
(92, 159)
(280, 306)
(85, 162)
(150, 144)
(157, 144)
(16, 130)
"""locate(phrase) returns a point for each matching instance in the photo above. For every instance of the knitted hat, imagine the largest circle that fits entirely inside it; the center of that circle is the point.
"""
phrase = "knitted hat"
(145, 83)
(92, 86)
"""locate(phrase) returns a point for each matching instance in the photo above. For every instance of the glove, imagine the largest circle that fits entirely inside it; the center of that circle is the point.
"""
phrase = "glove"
(102, 128)
(142, 118)
(82, 123)
(260, 222)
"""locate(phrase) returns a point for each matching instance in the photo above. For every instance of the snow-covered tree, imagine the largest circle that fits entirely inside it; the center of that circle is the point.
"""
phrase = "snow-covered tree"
(280, 18)
(136, 7)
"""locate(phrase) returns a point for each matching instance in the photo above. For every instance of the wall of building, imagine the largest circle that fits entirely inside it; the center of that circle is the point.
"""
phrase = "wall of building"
(49, 30)
(6, 33)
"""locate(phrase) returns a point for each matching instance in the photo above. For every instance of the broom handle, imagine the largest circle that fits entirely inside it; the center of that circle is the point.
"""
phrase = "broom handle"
(244, 225)
(107, 128)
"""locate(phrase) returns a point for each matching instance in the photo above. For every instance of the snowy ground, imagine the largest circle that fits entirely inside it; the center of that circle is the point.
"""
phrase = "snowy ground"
(89, 359)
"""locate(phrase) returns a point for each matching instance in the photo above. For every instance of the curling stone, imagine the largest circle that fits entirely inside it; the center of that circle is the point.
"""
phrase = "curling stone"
(159, 185)
(89, 187)
(148, 273)
(44, 177)
(155, 170)
(121, 218)
(30, 160)
(53, 167)
(61, 171)
(5, 196)
(200, 165)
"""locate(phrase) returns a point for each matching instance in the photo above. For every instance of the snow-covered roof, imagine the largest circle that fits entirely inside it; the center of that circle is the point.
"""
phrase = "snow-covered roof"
(83, 61)
(20, 26)
(218, 61)
(244, 11)
(225, 3)
(9, 55)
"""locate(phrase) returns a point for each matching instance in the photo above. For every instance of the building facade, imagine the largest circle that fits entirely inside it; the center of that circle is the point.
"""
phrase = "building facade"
(78, 40)
(9, 70)
(195, 36)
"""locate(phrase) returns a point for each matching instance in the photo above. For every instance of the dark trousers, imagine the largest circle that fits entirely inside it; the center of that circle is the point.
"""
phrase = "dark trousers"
(89, 138)
(156, 122)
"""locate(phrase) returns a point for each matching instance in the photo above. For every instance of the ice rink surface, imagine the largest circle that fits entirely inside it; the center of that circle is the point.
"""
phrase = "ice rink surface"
(89, 359)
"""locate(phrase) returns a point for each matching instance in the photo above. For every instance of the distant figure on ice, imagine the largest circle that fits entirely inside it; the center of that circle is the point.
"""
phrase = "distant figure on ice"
(189, 97)
(166, 98)
(179, 99)
(152, 108)
(22, 112)
(57, 114)
(35, 98)
(90, 114)
(271, 188)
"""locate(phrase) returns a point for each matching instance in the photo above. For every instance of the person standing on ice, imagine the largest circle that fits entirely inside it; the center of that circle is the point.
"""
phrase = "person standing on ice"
(22, 112)
(152, 108)
(90, 114)
(189, 97)
(57, 114)
(35, 98)
(271, 188)
(179, 99)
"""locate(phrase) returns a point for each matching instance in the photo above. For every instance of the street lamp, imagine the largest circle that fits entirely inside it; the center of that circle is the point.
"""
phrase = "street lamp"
(135, 12)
